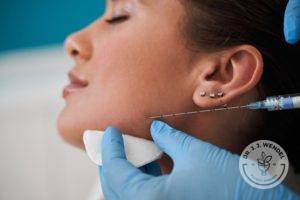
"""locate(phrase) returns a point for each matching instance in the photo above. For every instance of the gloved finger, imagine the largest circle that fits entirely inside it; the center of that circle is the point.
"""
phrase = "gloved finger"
(107, 191)
(112, 146)
(292, 22)
(117, 171)
(152, 168)
(183, 148)
(173, 142)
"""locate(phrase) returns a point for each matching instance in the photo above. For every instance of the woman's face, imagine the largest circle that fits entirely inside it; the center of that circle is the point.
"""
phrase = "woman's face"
(131, 63)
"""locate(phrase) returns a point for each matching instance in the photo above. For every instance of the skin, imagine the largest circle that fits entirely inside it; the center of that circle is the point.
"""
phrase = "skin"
(141, 67)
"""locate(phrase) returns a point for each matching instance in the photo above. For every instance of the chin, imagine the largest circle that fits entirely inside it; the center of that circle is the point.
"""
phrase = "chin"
(70, 130)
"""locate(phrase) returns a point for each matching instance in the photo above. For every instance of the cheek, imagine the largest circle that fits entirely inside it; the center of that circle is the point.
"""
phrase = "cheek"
(140, 75)
(130, 78)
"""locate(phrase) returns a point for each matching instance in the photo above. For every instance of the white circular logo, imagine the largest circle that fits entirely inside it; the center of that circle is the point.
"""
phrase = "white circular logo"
(264, 164)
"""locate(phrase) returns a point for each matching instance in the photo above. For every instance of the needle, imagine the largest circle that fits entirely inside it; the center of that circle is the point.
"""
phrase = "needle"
(198, 111)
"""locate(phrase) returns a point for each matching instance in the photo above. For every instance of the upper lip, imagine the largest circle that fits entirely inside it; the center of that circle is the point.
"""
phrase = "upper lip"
(77, 80)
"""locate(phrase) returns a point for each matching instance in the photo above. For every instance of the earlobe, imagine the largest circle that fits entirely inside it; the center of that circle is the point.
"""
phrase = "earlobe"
(209, 99)
(237, 71)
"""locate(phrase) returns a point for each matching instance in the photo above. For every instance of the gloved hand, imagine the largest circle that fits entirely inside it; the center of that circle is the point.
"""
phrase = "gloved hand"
(292, 22)
(201, 171)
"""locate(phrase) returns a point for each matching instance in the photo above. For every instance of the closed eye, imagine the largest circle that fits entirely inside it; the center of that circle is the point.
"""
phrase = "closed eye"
(117, 19)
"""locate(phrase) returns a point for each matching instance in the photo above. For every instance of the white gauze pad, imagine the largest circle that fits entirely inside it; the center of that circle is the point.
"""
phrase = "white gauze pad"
(138, 151)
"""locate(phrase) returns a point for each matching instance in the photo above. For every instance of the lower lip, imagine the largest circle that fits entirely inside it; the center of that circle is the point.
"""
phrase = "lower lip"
(71, 88)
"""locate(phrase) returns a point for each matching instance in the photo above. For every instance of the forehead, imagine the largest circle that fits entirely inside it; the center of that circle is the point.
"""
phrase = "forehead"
(117, 1)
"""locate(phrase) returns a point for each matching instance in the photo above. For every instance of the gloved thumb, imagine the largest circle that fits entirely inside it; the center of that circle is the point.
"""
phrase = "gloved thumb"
(175, 143)
(116, 170)
(182, 147)
(292, 22)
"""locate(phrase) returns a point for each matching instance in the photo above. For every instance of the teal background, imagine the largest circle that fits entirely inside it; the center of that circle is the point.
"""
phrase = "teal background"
(30, 23)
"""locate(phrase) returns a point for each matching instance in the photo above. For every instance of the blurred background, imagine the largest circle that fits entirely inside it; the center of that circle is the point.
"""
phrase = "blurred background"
(35, 162)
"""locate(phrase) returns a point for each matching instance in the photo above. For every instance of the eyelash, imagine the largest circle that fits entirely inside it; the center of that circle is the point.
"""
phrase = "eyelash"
(117, 19)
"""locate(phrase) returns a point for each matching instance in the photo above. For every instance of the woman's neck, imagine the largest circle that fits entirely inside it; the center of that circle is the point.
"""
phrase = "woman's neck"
(166, 164)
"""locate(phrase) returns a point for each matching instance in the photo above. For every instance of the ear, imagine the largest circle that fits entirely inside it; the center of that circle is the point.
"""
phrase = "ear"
(233, 71)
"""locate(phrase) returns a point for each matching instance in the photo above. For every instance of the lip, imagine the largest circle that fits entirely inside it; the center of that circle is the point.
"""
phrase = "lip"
(76, 83)
(71, 88)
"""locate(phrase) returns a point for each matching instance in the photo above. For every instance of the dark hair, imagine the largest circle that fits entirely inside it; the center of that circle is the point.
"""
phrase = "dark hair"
(219, 24)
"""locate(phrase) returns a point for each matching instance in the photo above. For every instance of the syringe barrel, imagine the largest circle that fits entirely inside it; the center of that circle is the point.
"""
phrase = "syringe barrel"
(296, 101)
(282, 102)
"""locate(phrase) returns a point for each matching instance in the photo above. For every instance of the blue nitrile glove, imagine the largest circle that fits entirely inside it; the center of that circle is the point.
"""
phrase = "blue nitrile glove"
(292, 22)
(201, 171)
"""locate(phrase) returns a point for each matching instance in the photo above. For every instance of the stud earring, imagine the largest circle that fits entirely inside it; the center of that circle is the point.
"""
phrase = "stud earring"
(212, 95)
(220, 94)
(202, 94)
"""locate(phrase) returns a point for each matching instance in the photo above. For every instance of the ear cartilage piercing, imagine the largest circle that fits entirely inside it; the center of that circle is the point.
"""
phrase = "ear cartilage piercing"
(202, 94)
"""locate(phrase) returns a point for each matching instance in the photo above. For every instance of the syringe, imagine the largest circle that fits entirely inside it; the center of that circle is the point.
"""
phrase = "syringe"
(282, 102)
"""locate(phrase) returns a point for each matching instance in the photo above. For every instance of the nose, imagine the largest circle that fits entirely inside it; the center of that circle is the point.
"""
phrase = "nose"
(78, 46)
